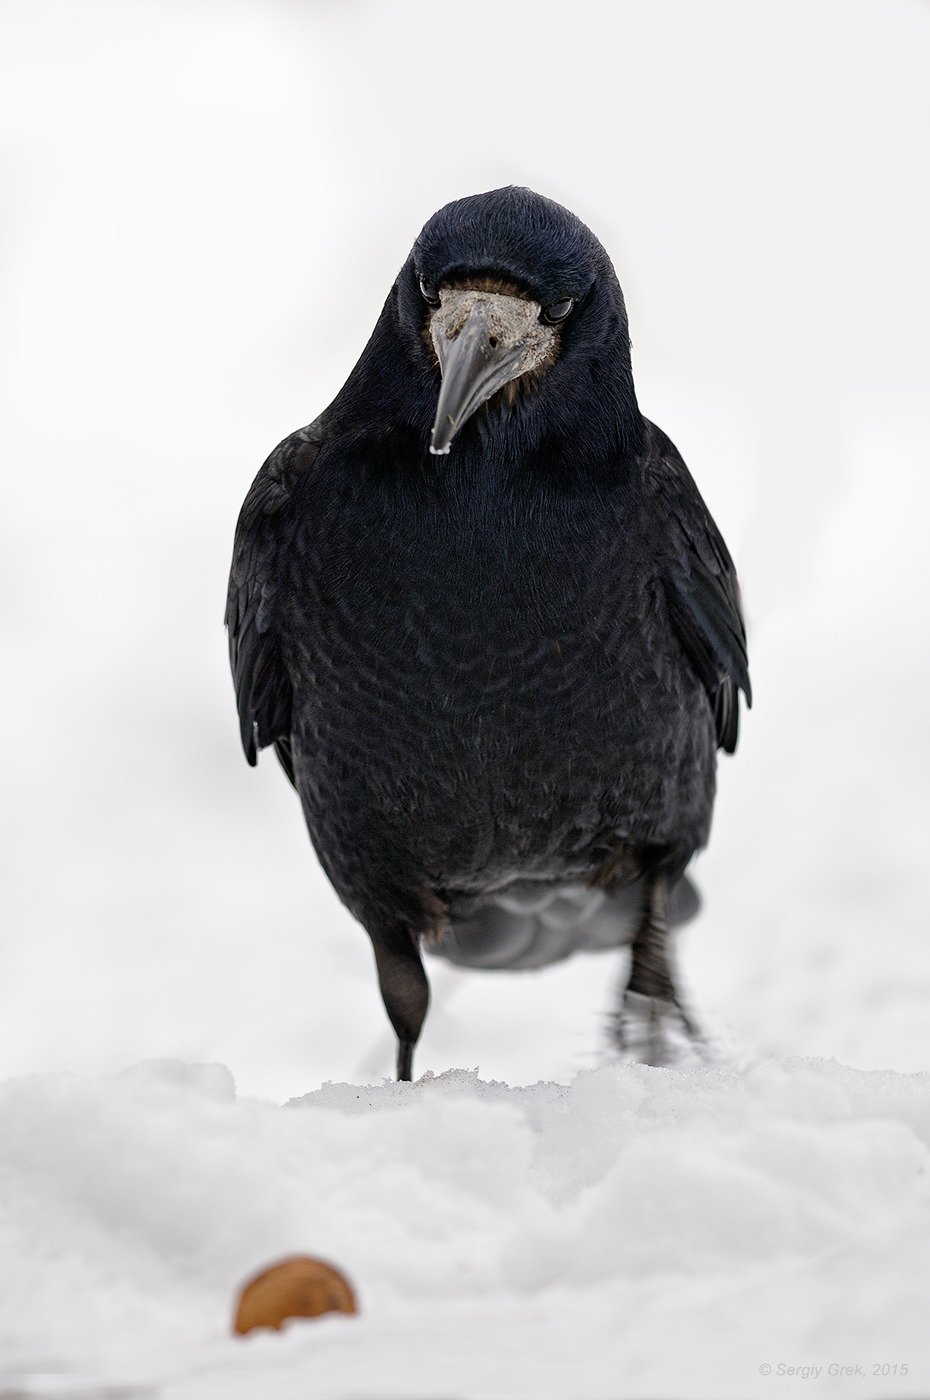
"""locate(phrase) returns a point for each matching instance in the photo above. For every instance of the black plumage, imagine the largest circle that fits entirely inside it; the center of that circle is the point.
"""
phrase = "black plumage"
(497, 645)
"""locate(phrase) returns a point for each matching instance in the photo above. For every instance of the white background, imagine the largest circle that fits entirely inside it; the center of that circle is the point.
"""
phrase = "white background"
(204, 208)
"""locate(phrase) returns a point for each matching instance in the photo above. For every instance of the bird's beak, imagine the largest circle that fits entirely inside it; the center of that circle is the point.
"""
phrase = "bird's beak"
(482, 340)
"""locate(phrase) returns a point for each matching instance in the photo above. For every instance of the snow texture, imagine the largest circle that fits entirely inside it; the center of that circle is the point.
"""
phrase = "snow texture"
(548, 1241)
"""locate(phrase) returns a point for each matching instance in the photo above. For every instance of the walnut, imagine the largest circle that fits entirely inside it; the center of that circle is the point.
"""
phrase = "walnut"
(296, 1287)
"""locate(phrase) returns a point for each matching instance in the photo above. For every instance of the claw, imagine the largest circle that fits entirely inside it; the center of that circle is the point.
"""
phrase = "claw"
(658, 1031)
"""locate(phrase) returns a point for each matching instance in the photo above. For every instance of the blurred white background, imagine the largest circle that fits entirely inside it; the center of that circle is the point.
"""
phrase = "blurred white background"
(204, 207)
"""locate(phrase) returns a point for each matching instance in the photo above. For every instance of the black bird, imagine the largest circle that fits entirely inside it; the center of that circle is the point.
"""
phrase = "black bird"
(483, 615)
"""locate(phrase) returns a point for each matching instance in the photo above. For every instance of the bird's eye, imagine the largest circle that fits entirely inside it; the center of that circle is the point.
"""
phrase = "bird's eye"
(558, 311)
(428, 292)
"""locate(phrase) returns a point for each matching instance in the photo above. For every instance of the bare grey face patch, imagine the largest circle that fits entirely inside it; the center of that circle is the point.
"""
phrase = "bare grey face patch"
(482, 341)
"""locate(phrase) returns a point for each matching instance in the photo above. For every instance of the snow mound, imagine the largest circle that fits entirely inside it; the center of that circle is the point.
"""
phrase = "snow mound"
(637, 1231)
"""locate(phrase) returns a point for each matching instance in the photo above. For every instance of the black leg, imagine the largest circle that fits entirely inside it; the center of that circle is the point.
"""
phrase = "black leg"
(405, 1059)
(652, 1024)
(404, 991)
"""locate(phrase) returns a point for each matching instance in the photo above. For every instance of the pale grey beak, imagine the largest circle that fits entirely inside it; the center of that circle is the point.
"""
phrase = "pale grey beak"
(482, 340)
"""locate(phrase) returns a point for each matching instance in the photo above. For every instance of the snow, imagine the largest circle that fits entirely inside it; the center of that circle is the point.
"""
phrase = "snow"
(204, 209)
(541, 1241)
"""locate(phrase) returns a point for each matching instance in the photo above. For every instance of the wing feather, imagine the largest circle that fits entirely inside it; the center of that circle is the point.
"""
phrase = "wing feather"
(701, 589)
(263, 688)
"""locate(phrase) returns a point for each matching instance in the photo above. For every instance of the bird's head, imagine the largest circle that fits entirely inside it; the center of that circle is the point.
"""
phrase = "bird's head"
(509, 298)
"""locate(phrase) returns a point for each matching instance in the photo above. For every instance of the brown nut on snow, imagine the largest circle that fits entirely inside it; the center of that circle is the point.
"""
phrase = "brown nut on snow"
(298, 1287)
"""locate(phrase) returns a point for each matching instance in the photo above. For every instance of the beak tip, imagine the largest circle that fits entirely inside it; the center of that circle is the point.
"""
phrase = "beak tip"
(440, 451)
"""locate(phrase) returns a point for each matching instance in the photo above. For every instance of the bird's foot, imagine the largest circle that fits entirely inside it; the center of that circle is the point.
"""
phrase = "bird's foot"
(658, 1031)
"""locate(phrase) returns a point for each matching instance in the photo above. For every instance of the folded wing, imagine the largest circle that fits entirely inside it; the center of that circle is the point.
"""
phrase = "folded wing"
(701, 589)
(253, 619)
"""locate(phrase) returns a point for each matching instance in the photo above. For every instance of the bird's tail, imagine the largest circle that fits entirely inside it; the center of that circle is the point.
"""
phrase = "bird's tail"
(530, 925)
